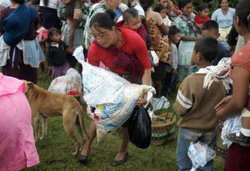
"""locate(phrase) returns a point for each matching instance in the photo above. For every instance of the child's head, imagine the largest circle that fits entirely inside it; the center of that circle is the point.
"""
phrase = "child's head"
(132, 19)
(242, 19)
(174, 34)
(164, 3)
(210, 29)
(162, 10)
(205, 51)
(204, 10)
(54, 35)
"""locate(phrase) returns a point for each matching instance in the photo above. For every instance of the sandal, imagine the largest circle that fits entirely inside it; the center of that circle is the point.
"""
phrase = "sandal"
(119, 162)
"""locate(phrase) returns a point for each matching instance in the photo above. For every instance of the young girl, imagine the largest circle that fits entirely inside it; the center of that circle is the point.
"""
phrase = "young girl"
(203, 15)
(56, 54)
(238, 154)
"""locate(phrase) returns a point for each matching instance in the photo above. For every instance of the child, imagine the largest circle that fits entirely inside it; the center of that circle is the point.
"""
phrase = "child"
(195, 103)
(202, 17)
(174, 11)
(211, 28)
(56, 54)
(163, 12)
(239, 102)
(132, 20)
(171, 80)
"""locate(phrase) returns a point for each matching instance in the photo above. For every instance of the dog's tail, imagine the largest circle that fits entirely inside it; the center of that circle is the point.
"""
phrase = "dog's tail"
(82, 126)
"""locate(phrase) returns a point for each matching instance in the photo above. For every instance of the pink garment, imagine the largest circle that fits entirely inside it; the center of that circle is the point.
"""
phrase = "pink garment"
(17, 145)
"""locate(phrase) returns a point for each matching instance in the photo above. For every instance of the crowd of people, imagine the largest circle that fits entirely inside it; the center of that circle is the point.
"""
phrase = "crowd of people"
(126, 38)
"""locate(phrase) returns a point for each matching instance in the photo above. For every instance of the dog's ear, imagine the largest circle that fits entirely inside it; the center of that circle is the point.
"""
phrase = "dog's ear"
(30, 85)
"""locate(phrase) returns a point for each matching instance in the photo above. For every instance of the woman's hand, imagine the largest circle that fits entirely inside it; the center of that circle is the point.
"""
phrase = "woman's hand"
(142, 100)
(223, 103)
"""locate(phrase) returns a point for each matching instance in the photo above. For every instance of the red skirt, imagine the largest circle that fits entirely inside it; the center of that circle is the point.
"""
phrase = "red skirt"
(238, 158)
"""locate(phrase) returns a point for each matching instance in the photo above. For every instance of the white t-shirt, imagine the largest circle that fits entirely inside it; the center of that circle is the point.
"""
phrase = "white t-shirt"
(167, 21)
(54, 4)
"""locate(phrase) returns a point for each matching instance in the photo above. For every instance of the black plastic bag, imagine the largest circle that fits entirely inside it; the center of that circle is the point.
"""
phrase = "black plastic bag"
(140, 127)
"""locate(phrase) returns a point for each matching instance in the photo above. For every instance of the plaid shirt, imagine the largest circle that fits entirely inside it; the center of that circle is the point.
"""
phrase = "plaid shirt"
(95, 9)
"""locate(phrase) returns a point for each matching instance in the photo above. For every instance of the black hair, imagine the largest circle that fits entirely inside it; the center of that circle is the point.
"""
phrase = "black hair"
(210, 25)
(243, 12)
(19, 1)
(173, 30)
(51, 32)
(131, 12)
(146, 4)
(103, 20)
(183, 3)
(70, 9)
(203, 6)
(159, 8)
(222, 0)
(207, 47)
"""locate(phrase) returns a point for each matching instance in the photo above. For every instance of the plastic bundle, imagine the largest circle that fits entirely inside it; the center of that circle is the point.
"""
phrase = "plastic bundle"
(111, 98)
(200, 154)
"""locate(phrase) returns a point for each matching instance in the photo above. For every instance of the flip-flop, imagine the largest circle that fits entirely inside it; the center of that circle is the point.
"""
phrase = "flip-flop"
(119, 162)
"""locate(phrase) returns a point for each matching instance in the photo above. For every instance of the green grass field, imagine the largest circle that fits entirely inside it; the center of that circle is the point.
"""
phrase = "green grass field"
(55, 151)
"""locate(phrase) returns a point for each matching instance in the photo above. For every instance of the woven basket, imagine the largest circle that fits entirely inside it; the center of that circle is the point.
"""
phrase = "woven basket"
(163, 128)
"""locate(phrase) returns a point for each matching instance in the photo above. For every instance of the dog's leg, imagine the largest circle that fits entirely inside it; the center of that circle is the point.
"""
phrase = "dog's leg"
(36, 124)
(68, 122)
(44, 132)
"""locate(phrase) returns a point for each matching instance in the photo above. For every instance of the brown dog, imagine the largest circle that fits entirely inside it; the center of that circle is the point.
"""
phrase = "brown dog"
(54, 104)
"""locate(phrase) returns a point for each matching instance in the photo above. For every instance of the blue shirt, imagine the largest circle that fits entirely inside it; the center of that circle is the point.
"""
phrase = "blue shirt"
(222, 53)
(224, 20)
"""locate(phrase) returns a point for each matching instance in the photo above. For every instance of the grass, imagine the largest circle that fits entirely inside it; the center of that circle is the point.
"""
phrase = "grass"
(55, 151)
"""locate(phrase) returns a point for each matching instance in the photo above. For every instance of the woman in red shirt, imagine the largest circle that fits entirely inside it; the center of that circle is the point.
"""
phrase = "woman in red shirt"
(124, 52)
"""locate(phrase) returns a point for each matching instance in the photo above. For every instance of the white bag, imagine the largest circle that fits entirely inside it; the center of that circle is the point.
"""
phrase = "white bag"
(70, 84)
(111, 98)
(200, 154)
(160, 103)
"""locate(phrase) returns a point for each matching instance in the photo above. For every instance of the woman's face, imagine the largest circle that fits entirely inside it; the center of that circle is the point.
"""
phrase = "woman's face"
(104, 37)
(188, 9)
(164, 3)
(224, 4)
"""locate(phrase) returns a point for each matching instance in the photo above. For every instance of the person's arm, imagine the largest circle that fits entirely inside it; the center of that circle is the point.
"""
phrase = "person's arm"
(184, 99)
(73, 26)
(93, 55)
(240, 92)
(185, 38)
(214, 16)
(146, 77)
(141, 53)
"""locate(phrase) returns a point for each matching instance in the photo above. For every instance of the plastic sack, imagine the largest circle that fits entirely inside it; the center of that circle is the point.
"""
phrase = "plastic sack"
(200, 154)
(140, 127)
(230, 126)
(111, 98)
(70, 84)
(160, 103)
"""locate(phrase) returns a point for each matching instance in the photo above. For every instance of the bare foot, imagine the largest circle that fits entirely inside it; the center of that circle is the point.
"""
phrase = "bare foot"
(120, 155)
(85, 149)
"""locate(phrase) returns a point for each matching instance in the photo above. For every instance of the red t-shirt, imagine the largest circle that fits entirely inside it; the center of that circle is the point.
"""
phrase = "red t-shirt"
(200, 20)
(132, 44)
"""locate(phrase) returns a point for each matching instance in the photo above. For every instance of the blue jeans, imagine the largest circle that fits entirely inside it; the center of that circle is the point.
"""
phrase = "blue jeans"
(185, 137)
